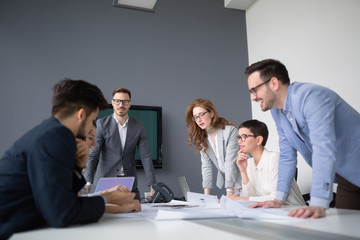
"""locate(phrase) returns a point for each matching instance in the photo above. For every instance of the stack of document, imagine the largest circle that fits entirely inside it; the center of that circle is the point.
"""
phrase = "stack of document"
(239, 208)
(198, 206)
(201, 206)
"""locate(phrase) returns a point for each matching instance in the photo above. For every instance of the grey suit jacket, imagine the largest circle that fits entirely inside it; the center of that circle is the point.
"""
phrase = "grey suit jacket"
(106, 157)
(228, 149)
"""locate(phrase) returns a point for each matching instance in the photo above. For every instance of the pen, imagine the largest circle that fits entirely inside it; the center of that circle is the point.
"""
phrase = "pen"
(175, 206)
(170, 206)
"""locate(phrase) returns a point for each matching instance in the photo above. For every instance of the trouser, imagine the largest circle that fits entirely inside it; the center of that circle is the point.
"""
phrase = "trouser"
(347, 194)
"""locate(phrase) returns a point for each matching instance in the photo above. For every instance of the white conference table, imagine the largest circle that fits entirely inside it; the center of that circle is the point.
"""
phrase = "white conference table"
(338, 224)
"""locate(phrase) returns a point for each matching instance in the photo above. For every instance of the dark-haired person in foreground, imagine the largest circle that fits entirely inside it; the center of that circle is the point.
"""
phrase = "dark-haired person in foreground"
(36, 173)
(321, 126)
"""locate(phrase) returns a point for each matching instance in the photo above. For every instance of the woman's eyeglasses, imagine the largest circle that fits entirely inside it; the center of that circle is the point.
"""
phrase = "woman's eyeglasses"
(200, 116)
(244, 137)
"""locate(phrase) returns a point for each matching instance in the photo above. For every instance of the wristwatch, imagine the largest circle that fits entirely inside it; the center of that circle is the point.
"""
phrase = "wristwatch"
(230, 190)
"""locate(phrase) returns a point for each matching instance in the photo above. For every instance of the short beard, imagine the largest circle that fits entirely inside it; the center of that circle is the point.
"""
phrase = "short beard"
(122, 115)
(269, 104)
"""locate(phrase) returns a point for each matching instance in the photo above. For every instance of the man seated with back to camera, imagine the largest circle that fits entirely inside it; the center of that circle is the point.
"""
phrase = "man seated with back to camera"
(36, 173)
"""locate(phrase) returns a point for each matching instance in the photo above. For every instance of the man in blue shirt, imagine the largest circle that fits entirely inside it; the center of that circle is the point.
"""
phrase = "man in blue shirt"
(321, 126)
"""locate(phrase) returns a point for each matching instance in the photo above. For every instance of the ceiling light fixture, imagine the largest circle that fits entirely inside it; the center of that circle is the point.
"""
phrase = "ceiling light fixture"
(143, 5)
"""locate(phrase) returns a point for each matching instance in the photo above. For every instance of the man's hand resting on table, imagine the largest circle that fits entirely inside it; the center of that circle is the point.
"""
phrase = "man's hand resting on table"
(121, 202)
(306, 212)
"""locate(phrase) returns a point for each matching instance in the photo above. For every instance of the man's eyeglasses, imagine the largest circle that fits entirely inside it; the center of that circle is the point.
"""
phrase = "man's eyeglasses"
(200, 116)
(244, 137)
(118, 101)
(253, 90)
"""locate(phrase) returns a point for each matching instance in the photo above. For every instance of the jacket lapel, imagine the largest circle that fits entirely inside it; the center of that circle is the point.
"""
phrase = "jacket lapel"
(211, 154)
(130, 129)
(220, 145)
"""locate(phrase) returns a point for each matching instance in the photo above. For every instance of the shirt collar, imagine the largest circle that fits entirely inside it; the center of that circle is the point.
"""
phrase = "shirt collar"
(263, 156)
(125, 124)
(287, 103)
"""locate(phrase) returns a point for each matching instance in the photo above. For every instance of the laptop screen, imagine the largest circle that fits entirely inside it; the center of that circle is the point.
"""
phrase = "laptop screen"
(106, 183)
(184, 186)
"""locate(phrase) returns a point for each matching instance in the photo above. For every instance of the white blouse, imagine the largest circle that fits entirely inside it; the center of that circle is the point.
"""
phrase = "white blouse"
(263, 180)
(216, 151)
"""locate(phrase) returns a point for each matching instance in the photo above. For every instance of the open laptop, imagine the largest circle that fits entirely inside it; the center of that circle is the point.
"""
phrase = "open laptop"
(109, 182)
(184, 186)
(195, 198)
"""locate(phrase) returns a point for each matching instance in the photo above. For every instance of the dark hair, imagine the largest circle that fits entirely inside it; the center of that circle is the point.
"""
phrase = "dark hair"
(71, 95)
(122, 90)
(257, 128)
(269, 68)
(197, 135)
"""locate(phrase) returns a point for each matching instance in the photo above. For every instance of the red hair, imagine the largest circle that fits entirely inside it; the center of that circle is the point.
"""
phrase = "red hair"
(198, 136)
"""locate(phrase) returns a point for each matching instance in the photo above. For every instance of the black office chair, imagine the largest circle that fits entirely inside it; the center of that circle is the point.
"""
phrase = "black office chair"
(307, 199)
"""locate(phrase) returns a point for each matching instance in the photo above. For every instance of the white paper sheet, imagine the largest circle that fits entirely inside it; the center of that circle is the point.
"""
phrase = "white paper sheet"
(206, 201)
(181, 210)
(239, 209)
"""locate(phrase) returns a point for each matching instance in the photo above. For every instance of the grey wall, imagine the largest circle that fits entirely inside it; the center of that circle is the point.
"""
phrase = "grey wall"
(187, 49)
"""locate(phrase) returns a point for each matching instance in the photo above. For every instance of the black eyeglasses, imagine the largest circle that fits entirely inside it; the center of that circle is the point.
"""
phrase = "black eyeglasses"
(118, 101)
(244, 137)
(200, 116)
(253, 90)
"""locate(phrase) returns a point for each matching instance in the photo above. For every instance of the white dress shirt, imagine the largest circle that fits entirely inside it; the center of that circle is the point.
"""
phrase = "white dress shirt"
(216, 151)
(122, 134)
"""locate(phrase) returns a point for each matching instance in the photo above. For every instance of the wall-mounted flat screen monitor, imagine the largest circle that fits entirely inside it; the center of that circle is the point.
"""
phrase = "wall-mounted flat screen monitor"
(151, 117)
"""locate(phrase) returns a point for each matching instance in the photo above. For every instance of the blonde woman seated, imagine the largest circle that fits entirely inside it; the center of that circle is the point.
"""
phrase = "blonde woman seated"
(259, 173)
(216, 140)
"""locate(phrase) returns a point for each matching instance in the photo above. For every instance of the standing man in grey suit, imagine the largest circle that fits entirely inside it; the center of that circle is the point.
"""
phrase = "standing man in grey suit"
(117, 137)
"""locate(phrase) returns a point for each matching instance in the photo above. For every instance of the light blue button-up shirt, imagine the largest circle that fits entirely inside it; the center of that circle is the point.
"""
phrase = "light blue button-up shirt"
(325, 130)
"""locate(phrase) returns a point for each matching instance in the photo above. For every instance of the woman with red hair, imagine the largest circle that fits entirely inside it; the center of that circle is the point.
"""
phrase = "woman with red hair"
(215, 138)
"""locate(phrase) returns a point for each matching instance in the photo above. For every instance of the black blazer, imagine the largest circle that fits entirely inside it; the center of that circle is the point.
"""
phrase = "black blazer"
(36, 182)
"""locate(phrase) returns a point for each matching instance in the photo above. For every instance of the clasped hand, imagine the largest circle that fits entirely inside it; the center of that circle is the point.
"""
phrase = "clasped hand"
(120, 202)
(82, 153)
